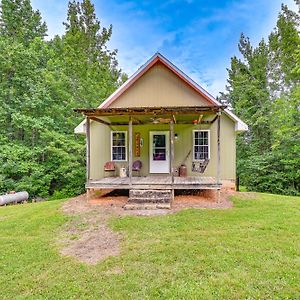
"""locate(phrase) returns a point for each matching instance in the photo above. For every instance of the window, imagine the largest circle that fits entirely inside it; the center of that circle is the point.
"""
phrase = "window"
(201, 149)
(119, 145)
(159, 147)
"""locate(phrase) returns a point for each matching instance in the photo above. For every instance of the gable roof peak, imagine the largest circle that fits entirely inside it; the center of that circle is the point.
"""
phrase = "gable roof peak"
(158, 57)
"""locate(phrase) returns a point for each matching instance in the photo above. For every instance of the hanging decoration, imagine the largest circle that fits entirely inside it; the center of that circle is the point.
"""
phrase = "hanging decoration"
(137, 144)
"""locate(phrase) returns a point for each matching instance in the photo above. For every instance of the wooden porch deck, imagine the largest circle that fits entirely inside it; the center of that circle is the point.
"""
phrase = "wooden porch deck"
(155, 182)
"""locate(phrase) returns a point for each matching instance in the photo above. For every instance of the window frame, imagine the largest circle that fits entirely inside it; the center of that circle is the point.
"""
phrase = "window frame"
(111, 145)
(208, 145)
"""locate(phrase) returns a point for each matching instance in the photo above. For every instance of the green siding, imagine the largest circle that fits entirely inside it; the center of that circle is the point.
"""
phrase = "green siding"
(100, 147)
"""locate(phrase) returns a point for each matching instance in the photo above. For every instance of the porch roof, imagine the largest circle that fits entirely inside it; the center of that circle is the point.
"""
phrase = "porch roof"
(132, 111)
(153, 115)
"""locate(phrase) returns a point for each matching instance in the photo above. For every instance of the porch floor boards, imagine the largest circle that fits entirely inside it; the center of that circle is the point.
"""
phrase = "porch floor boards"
(155, 182)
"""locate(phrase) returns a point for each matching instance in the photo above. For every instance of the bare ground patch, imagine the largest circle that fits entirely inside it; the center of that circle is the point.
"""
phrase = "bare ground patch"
(87, 236)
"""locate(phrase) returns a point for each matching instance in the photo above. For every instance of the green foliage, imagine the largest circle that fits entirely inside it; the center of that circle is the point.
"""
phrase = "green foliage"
(19, 21)
(40, 85)
(263, 88)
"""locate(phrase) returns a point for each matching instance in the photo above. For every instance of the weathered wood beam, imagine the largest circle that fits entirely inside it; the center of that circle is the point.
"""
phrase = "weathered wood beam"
(100, 121)
(150, 110)
(130, 150)
(214, 119)
(218, 148)
(174, 119)
(146, 113)
(172, 153)
(137, 121)
(200, 118)
(88, 147)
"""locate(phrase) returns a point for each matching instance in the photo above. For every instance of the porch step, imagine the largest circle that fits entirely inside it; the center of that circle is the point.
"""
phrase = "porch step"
(147, 206)
(150, 194)
(149, 199)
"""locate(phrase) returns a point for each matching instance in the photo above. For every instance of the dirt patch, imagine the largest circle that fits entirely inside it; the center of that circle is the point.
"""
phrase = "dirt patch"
(93, 245)
(89, 239)
(203, 199)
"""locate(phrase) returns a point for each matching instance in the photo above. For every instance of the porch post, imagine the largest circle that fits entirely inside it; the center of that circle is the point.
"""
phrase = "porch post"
(219, 148)
(88, 142)
(172, 154)
(130, 150)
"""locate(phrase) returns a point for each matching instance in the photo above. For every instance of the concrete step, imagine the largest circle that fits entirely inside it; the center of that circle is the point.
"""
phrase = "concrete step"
(149, 200)
(150, 193)
(147, 206)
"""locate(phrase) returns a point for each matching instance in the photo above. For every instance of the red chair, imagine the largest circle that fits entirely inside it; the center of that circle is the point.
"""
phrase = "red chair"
(136, 166)
(110, 167)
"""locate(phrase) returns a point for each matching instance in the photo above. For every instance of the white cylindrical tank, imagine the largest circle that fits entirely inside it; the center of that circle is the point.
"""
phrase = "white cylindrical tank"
(16, 197)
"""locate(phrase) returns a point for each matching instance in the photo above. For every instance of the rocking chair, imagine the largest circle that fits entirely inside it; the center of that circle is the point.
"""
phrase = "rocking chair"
(136, 167)
(110, 167)
(200, 166)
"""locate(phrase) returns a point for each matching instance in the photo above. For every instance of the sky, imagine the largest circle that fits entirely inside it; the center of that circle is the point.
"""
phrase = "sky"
(198, 36)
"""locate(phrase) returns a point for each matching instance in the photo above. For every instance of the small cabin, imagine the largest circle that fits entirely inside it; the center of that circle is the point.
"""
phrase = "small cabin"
(158, 132)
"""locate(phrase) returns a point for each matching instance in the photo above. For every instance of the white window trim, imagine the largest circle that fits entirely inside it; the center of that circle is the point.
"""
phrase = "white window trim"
(201, 130)
(111, 144)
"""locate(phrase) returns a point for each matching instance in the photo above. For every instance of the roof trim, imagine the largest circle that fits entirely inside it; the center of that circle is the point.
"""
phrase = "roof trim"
(157, 57)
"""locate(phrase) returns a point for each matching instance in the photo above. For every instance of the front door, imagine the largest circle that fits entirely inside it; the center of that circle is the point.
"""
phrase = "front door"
(159, 152)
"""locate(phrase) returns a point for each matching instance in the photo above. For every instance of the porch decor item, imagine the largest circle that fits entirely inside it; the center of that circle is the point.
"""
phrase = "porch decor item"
(136, 166)
(123, 172)
(200, 166)
(183, 170)
(137, 144)
(110, 167)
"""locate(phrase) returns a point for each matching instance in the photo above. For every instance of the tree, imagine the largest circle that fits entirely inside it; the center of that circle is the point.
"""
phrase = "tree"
(283, 43)
(40, 85)
(248, 93)
(19, 21)
(92, 67)
(263, 88)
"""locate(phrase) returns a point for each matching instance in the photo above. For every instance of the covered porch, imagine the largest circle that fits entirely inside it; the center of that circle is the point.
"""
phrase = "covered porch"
(169, 117)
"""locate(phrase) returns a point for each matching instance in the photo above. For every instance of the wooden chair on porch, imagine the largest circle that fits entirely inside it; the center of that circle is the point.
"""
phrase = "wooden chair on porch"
(136, 167)
(110, 167)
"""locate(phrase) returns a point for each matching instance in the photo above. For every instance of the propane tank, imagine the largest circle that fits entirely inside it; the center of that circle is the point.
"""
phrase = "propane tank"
(16, 197)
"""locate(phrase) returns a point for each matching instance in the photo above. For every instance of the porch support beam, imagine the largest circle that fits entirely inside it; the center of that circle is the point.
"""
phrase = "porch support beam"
(138, 121)
(130, 151)
(200, 118)
(172, 154)
(174, 119)
(214, 119)
(88, 147)
(100, 121)
(218, 148)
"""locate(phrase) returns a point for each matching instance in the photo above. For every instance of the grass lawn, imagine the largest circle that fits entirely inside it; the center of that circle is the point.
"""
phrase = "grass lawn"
(250, 251)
